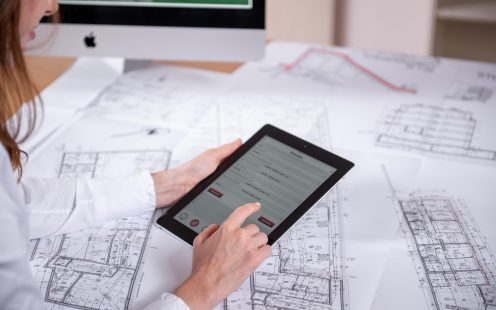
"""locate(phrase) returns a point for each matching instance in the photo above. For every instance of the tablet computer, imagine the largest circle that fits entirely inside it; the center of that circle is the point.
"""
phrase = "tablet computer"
(286, 174)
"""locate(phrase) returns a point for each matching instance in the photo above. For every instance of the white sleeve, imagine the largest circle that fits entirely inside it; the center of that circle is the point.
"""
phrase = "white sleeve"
(58, 206)
(17, 288)
(167, 301)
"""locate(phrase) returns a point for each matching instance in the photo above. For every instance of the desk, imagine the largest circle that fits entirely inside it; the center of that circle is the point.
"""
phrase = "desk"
(348, 248)
(45, 70)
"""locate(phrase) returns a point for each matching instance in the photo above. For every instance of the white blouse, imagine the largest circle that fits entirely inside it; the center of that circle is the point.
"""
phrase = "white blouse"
(37, 208)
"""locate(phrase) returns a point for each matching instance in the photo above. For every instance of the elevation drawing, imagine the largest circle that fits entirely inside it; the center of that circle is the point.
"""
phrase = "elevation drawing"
(336, 68)
(432, 129)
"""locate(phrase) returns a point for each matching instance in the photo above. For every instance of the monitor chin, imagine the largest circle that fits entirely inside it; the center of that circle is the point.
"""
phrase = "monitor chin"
(187, 30)
(170, 43)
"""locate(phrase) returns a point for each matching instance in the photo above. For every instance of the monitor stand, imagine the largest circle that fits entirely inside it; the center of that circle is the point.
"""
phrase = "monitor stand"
(135, 64)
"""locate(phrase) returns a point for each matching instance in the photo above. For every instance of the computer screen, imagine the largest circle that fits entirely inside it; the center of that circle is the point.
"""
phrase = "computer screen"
(240, 4)
(215, 30)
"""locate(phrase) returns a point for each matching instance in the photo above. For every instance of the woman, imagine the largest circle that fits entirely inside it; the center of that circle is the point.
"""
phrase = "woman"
(223, 256)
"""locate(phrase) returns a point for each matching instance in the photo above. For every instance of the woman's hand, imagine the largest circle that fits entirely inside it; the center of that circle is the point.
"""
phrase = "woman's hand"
(223, 257)
(171, 185)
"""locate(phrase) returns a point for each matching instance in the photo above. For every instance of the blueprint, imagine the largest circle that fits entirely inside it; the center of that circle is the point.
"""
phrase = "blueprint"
(475, 85)
(115, 140)
(441, 130)
(416, 126)
(161, 95)
(333, 258)
(424, 106)
(87, 77)
(311, 266)
(241, 116)
(93, 269)
(226, 121)
(314, 69)
(334, 68)
(97, 268)
(448, 240)
(305, 270)
(307, 69)
(457, 268)
(421, 107)
(410, 227)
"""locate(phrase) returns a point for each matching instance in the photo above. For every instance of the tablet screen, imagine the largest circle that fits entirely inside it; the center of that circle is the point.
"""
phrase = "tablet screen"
(272, 173)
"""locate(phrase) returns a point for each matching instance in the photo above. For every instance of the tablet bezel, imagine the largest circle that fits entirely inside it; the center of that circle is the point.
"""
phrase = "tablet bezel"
(341, 165)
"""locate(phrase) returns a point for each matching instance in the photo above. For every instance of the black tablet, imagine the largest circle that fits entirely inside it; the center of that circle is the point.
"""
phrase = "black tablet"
(286, 174)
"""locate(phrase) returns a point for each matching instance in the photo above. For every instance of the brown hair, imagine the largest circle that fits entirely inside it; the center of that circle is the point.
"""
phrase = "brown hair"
(16, 86)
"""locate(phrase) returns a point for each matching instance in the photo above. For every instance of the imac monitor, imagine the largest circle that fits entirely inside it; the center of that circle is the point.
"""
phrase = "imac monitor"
(210, 30)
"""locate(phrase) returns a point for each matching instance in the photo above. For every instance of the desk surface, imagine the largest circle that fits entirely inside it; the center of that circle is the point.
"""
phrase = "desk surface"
(44, 70)
(426, 149)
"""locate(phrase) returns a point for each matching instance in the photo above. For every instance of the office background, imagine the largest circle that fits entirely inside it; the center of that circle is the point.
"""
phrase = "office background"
(367, 258)
(449, 28)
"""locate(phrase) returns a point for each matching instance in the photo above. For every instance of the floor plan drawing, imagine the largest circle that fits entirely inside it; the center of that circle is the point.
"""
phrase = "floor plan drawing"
(160, 94)
(305, 270)
(95, 164)
(432, 129)
(95, 268)
(336, 68)
(455, 266)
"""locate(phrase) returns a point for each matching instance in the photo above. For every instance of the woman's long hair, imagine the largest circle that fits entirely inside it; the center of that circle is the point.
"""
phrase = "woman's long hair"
(16, 86)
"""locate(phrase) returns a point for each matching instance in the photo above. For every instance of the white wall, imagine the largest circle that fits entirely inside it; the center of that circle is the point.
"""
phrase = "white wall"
(301, 20)
(404, 26)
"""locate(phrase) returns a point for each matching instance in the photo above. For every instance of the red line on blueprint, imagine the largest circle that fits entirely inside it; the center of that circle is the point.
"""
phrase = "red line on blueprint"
(347, 58)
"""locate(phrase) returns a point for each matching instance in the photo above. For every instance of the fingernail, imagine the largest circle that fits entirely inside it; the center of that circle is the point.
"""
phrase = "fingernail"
(258, 204)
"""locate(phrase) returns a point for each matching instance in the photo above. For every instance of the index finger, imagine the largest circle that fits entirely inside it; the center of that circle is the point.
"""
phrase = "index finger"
(239, 216)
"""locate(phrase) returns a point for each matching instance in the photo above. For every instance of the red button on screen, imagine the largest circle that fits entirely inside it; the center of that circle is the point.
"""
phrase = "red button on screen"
(265, 221)
(215, 192)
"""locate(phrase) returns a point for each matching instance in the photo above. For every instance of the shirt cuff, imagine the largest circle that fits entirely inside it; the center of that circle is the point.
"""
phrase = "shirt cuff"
(150, 199)
(168, 301)
(119, 197)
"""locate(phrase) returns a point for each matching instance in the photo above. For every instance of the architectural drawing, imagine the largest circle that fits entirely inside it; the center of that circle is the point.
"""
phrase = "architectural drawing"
(95, 164)
(161, 94)
(432, 129)
(306, 270)
(455, 266)
(471, 93)
(95, 268)
(242, 116)
(408, 62)
(476, 86)
(336, 68)
(323, 70)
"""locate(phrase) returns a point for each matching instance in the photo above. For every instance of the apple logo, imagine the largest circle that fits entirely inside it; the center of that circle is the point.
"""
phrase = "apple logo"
(89, 40)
